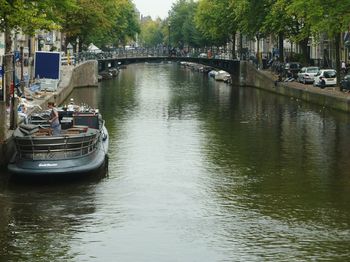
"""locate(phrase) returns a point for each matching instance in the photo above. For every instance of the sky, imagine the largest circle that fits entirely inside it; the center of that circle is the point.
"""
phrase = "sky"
(154, 8)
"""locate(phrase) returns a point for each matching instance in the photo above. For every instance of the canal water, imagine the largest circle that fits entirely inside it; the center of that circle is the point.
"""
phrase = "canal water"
(198, 171)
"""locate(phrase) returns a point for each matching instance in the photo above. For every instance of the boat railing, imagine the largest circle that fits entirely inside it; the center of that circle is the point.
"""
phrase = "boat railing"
(57, 148)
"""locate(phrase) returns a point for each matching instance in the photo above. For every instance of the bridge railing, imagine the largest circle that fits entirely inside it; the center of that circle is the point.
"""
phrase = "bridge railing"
(149, 52)
(121, 53)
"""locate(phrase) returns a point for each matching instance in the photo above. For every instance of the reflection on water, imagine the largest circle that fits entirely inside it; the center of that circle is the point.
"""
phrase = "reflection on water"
(38, 221)
(198, 171)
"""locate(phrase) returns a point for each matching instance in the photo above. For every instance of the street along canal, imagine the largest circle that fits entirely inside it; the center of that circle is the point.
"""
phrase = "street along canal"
(198, 171)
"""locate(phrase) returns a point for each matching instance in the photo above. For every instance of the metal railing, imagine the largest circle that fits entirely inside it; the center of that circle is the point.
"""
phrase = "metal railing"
(151, 52)
(57, 148)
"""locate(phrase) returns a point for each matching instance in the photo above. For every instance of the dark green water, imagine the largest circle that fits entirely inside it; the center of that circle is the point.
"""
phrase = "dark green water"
(198, 171)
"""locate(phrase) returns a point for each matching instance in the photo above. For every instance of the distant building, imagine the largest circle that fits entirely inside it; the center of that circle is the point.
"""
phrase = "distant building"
(145, 18)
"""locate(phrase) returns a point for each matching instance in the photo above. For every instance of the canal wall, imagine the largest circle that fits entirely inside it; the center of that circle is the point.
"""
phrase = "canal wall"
(82, 75)
(329, 97)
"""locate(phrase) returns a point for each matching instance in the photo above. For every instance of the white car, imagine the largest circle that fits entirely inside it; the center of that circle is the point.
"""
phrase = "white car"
(325, 77)
(307, 74)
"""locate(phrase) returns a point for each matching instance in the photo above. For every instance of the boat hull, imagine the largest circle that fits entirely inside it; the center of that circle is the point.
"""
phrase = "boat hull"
(63, 167)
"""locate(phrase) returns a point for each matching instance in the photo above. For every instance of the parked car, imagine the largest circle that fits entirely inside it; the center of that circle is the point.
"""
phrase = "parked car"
(203, 55)
(345, 82)
(307, 74)
(291, 69)
(325, 77)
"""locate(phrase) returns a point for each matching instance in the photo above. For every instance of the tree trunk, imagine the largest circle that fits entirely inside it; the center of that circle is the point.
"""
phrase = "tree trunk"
(233, 45)
(9, 78)
(258, 52)
(8, 65)
(337, 57)
(240, 46)
(303, 45)
(280, 46)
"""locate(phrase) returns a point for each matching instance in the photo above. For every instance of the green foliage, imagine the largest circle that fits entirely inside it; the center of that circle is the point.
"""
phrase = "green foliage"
(298, 58)
(31, 15)
(126, 25)
(330, 17)
(151, 33)
(250, 15)
(104, 22)
(214, 19)
(194, 23)
(182, 25)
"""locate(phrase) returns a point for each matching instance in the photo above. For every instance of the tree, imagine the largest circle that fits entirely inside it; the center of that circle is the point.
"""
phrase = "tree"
(182, 26)
(28, 16)
(330, 18)
(126, 26)
(207, 22)
(104, 22)
(279, 22)
(85, 21)
(290, 23)
(151, 33)
(250, 16)
(215, 20)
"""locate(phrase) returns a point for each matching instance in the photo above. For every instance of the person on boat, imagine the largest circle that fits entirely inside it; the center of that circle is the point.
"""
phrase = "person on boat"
(54, 120)
(22, 112)
(71, 106)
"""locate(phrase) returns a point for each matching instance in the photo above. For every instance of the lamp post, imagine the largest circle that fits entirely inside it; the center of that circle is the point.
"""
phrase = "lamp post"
(69, 49)
(77, 50)
(69, 53)
(77, 47)
(41, 42)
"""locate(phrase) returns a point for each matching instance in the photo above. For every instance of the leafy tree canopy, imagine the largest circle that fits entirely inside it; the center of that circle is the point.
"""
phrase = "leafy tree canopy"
(152, 33)
(104, 22)
(31, 15)
(329, 17)
(212, 20)
(182, 26)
